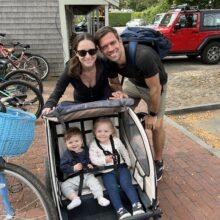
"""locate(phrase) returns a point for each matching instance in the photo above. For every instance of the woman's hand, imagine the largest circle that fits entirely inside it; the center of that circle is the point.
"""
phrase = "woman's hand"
(46, 111)
(119, 95)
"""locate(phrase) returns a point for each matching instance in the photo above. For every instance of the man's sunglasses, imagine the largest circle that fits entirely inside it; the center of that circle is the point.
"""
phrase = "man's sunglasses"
(83, 53)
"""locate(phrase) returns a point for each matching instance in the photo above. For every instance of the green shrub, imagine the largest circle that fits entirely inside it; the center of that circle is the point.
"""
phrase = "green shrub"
(117, 19)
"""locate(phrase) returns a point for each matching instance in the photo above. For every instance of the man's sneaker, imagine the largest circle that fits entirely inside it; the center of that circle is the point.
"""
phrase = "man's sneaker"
(159, 169)
(123, 213)
(137, 209)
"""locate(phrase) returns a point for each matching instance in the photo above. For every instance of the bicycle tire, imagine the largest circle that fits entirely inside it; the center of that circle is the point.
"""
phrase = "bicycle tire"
(26, 76)
(25, 96)
(42, 65)
(27, 195)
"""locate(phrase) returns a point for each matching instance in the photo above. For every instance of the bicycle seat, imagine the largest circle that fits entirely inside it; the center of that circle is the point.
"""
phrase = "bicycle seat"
(3, 61)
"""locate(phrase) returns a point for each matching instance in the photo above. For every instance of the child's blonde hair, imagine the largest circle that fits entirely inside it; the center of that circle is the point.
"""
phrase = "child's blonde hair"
(104, 121)
(74, 131)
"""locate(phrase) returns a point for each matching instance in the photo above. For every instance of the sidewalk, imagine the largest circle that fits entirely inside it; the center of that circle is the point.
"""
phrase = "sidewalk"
(190, 187)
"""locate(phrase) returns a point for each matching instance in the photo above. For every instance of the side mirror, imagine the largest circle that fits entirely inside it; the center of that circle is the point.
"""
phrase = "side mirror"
(177, 26)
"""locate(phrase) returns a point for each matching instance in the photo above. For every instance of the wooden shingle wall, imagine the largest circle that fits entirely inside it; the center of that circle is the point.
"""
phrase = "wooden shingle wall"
(35, 22)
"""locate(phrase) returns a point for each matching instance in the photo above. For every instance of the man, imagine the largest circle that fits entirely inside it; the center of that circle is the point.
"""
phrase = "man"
(146, 80)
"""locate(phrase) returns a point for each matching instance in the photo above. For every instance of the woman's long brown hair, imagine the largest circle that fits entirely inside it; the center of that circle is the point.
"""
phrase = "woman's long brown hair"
(75, 68)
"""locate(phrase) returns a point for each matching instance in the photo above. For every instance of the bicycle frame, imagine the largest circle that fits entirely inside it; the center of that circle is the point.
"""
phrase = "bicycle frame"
(17, 62)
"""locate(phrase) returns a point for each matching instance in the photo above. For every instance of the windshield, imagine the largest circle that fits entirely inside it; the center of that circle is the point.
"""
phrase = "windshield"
(168, 20)
(157, 19)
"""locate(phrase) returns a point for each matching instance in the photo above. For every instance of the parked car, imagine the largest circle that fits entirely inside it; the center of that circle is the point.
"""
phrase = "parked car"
(81, 27)
(136, 22)
(193, 32)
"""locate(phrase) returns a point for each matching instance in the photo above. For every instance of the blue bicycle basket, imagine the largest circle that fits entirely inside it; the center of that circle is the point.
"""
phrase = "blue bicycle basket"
(17, 132)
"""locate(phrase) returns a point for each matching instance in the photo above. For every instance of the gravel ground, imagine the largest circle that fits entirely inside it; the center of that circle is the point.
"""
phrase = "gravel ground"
(191, 88)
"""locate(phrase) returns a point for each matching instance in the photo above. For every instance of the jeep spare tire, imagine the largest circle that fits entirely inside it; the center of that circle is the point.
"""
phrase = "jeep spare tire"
(211, 53)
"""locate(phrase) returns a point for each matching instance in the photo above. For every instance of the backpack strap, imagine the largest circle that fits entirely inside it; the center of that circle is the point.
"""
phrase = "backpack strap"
(132, 45)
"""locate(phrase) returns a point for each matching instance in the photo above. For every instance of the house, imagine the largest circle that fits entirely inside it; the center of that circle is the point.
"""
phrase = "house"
(47, 25)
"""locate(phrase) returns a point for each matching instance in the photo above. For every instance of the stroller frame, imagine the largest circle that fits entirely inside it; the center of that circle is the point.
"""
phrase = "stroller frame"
(132, 134)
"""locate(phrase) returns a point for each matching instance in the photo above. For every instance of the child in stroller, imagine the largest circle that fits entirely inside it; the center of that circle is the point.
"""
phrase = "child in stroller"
(74, 160)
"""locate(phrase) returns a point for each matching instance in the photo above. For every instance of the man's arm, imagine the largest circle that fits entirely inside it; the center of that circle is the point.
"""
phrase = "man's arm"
(155, 91)
(117, 88)
(115, 84)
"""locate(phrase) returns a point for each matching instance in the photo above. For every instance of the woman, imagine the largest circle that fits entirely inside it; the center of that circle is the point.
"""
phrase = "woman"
(85, 71)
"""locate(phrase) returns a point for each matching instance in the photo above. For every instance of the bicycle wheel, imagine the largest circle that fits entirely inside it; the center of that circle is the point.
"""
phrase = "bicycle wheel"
(26, 76)
(28, 198)
(41, 65)
(22, 95)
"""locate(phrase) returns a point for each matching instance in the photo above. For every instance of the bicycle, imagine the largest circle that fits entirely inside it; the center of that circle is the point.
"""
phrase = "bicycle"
(22, 95)
(39, 60)
(19, 75)
(32, 64)
(23, 193)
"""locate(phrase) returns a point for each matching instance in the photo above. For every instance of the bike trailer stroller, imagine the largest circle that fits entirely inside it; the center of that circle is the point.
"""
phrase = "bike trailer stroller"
(132, 134)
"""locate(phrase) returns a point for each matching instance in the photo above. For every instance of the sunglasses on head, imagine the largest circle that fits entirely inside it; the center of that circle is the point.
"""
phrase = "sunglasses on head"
(83, 53)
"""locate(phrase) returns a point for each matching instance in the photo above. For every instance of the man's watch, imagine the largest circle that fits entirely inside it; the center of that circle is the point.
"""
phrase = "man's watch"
(153, 114)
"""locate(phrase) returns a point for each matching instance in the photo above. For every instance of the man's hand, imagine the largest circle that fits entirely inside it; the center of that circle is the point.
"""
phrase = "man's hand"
(150, 122)
(119, 95)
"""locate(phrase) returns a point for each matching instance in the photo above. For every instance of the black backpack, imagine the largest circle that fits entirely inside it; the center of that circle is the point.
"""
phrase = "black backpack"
(147, 36)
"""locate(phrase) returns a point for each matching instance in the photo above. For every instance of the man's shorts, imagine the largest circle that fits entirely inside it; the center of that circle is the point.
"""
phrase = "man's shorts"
(138, 92)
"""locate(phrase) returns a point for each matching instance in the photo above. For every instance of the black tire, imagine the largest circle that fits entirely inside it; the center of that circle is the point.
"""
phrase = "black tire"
(42, 66)
(26, 76)
(27, 195)
(211, 53)
(23, 96)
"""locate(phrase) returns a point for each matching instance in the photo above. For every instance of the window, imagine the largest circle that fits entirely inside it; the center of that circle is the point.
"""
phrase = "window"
(211, 20)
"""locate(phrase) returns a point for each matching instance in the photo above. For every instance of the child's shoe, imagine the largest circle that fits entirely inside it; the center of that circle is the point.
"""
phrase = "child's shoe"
(137, 209)
(103, 201)
(75, 202)
(123, 213)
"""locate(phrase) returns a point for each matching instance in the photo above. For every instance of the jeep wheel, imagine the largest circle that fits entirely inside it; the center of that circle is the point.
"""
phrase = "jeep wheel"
(211, 53)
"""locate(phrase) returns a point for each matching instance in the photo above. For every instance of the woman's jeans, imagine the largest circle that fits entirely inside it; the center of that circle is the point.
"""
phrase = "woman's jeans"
(111, 185)
(4, 195)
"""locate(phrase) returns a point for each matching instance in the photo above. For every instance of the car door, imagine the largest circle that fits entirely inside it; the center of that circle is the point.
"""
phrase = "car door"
(185, 33)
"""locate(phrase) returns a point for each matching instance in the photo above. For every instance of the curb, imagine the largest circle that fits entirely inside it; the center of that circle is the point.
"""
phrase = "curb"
(193, 137)
(195, 108)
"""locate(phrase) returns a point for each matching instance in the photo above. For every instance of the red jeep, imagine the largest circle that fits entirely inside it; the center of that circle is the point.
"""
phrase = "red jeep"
(193, 32)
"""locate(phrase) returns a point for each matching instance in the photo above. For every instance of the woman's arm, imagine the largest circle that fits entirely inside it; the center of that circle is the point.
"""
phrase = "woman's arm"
(60, 88)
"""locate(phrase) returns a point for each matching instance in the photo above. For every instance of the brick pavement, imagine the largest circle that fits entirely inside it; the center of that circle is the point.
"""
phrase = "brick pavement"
(190, 187)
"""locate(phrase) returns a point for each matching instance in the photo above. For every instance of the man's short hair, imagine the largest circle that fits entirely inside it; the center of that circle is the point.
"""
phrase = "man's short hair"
(100, 33)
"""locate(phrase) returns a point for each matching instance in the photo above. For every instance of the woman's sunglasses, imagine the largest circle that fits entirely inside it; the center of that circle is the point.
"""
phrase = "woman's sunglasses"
(83, 53)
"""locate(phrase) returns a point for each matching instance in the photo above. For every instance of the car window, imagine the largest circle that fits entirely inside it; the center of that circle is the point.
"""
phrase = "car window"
(211, 20)
(168, 20)
(187, 20)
